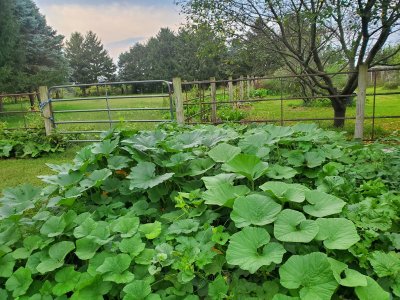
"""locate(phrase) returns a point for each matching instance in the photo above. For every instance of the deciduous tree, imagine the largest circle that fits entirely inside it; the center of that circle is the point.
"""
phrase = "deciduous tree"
(301, 31)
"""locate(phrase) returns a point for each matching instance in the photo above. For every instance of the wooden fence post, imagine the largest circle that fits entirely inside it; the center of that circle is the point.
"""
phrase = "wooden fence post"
(248, 86)
(241, 87)
(230, 89)
(180, 115)
(361, 95)
(46, 111)
(213, 100)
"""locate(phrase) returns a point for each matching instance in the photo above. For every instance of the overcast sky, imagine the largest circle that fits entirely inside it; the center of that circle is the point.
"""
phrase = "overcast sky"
(118, 23)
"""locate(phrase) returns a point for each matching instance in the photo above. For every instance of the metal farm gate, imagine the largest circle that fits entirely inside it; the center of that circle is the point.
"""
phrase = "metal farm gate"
(83, 111)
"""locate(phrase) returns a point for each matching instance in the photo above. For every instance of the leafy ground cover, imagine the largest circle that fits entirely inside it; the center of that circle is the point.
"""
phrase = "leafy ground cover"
(30, 143)
(207, 212)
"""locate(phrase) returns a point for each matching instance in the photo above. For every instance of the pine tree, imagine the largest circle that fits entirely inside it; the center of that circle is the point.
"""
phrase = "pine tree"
(10, 54)
(88, 59)
(44, 62)
(75, 54)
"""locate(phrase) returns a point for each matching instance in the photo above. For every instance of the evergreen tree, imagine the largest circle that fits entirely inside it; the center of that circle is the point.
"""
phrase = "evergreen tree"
(43, 59)
(133, 63)
(75, 54)
(10, 53)
(87, 58)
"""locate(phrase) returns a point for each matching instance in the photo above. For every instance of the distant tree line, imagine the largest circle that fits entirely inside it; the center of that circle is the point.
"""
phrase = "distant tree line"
(194, 53)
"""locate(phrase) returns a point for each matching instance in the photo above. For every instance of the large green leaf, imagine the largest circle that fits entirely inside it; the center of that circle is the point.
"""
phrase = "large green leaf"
(54, 226)
(56, 255)
(137, 290)
(311, 273)
(218, 288)
(132, 246)
(214, 181)
(373, 291)
(249, 166)
(127, 226)
(285, 191)
(223, 152)
(385, 264)
(314, 158)
(145, 140)
(115, 268)
(345, 276)
(118, 162)
(105, 147)
(86, 248)
(292, 226)
(254, 209)
(19, 282)
(151, 230)
(244, 249)
(96, 178)
(17, 200)
(143, 176)
(280, 172)
(66, 279)
(337, 233)
(224, 194)
(185, 226)
(322, 204)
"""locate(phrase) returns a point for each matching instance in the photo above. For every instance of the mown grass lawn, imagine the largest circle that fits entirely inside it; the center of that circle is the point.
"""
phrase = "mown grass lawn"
(14, 121)
(14, 172)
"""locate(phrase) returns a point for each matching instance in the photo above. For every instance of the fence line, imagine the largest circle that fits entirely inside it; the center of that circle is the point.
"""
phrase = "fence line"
(23, 111)
(203, 108)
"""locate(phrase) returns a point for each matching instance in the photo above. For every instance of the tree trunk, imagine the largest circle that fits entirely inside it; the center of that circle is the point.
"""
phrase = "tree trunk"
(1, 104)
(339, 108)
(32, 101)
(38, 96)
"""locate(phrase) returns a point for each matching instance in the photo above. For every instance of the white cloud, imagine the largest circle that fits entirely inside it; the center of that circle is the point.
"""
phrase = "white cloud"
(113, 23)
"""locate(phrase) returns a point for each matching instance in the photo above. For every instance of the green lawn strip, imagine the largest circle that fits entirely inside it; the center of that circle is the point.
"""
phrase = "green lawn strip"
(21, 171)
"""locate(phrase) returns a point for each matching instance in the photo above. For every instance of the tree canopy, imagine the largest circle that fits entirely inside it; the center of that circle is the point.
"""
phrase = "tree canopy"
(305, 35)
(31, 53)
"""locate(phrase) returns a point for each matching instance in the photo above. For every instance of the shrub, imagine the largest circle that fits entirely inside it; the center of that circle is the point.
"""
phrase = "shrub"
(391, 85)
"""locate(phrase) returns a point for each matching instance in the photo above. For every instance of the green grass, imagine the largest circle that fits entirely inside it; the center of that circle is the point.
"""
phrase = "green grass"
(387, 105)
(122, 116)
(14, 172)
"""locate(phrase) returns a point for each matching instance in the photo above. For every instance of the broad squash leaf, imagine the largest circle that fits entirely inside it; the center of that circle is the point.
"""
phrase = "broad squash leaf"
(243, 249)
(254, 209)
(311, 273)
(292, 226)
(337, 233)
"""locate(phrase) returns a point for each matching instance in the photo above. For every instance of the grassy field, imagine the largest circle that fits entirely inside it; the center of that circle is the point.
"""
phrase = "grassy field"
(388, 105)
(19, 171)
(121, 117)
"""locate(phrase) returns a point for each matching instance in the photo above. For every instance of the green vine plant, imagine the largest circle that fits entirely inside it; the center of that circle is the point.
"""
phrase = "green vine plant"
(204, 212)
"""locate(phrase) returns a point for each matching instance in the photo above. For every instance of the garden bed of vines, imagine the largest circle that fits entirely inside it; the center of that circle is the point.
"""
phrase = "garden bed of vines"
(243, 212)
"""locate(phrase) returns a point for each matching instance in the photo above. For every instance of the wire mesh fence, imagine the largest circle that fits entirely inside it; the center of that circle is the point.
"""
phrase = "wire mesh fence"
(284, 100)
(20, 111)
